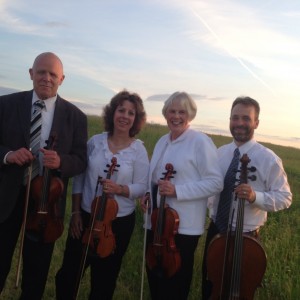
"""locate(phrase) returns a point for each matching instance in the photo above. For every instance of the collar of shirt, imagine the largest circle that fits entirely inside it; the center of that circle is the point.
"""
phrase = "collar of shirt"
(49, 103)
(245, 147)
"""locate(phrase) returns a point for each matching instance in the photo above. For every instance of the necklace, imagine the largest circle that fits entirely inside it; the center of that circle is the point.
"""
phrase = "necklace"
(121, 146)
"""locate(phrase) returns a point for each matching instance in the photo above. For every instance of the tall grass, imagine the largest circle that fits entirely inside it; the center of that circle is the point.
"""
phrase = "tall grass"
(280, 237)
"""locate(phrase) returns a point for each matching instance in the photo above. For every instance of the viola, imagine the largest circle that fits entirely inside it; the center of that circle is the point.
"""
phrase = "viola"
(99, 236)
(45, 191)
(162, 256)
(236, 262)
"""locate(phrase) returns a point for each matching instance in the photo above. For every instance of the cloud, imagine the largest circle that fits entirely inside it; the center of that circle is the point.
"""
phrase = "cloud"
(55, 24)
(159, 98)
(164, 97)
(255, 41)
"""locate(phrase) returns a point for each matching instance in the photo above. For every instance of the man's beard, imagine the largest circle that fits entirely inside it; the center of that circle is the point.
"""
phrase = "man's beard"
(243, 137)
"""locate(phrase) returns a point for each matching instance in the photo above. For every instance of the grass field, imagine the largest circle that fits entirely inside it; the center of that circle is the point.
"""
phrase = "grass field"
(280, 237)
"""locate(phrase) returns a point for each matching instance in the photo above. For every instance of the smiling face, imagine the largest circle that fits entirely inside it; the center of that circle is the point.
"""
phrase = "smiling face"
(124, 117)
(47, 75)
(177, 119)
(243, 122)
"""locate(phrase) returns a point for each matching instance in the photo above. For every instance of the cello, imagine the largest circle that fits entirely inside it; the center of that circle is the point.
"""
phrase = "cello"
(45, 191)
(236, 262)
(162, 255)
(99, 236)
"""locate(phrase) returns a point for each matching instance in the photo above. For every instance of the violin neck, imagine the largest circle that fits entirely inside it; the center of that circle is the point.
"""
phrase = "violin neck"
(102, 204)
(160, 219)
(45, 190)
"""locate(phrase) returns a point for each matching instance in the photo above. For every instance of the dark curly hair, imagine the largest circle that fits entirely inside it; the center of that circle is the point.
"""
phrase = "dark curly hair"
(118, 99)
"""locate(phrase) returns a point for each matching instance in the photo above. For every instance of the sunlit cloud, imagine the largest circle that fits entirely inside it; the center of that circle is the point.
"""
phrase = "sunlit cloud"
(225, 43)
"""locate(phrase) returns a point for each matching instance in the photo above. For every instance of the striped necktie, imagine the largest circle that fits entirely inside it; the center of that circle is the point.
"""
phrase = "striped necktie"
(222, 216)
(35, 135)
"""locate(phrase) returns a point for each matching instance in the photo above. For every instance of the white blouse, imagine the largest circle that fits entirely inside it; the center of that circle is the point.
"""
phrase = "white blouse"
(133, 172)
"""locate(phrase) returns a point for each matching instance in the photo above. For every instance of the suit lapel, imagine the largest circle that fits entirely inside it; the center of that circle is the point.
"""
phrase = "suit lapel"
(24, 111)
(60, 113)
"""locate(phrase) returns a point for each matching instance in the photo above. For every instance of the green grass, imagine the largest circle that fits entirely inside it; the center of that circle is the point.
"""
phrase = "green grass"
(280, 237)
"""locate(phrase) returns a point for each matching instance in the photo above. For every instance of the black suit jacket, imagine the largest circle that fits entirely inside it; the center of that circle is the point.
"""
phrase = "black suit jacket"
(70, 126)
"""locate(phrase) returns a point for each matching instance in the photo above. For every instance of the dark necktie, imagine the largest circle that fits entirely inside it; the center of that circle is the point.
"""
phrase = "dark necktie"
(35, 135)
(226, 195)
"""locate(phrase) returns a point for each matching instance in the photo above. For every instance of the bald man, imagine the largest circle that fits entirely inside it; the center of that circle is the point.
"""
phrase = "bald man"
(68, 124)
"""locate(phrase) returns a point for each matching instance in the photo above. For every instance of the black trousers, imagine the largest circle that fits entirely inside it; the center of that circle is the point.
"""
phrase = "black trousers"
(36, 255)
(176, 287)
(104, 271)
(9, 233)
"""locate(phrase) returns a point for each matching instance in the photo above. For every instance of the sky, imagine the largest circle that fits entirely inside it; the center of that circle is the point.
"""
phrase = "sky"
(214, 50)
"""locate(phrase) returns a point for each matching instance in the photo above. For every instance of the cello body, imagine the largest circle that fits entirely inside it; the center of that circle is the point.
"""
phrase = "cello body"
(236, 262)
(253, 266)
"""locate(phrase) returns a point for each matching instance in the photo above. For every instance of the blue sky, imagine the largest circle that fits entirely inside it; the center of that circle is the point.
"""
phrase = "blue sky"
(215, 50)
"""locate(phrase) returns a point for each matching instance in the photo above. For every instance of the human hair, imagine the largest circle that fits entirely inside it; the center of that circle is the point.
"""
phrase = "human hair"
(247, 101)
(185, 100)
(118, 99)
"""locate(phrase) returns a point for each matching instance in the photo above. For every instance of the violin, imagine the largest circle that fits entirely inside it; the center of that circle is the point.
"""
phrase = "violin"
(162, 256)
(99, 236)
(236, 262)
(45, 191)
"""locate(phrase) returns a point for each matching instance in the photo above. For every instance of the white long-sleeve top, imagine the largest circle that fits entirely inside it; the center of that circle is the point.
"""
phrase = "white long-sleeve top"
(133, 172)
(271, 184)
(198, 176)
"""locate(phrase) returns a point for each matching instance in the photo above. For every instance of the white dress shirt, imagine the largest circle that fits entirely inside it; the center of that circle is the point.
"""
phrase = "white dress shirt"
(271, 184)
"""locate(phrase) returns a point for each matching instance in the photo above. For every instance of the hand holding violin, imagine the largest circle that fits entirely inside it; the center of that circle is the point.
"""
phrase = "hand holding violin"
(51, 159)
(166, 188)
(110, 186)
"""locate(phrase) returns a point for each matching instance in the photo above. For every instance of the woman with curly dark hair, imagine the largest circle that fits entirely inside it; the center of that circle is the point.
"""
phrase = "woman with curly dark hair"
(123, 118)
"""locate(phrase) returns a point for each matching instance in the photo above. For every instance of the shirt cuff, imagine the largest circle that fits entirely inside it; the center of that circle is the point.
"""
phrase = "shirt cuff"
(259, 201)
(4, 159)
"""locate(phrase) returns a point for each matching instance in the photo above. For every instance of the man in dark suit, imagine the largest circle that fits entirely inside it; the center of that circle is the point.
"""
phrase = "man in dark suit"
(66, 159)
